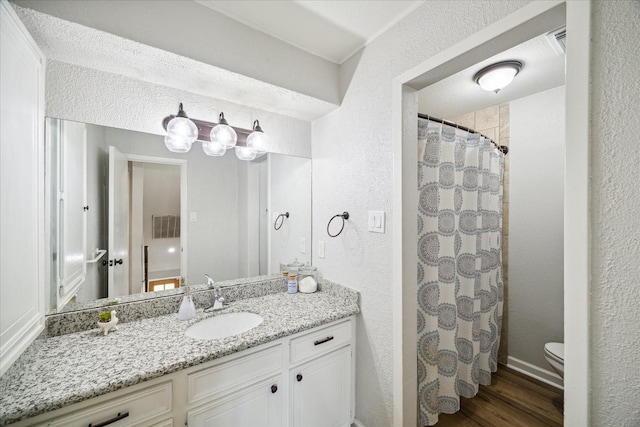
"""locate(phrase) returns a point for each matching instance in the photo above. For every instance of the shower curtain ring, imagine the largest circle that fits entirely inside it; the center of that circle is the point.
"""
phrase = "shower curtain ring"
(344, 215)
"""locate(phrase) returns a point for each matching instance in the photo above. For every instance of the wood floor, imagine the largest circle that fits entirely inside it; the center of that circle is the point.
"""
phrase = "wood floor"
(512, 400)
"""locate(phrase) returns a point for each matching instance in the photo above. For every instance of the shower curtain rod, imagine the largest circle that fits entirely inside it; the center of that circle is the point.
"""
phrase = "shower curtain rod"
(502, 148)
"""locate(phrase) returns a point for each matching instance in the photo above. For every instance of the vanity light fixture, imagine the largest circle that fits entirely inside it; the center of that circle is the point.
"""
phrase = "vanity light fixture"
(216, 138)
(497, 76)
(181, 132)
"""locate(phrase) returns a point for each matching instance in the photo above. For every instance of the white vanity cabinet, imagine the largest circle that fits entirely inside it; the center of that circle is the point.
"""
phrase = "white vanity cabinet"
(258, 387)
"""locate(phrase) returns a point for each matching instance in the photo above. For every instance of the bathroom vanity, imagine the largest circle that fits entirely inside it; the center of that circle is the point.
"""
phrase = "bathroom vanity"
(294, 369)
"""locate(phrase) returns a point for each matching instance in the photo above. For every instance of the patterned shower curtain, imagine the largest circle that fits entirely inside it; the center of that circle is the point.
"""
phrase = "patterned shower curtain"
(460, 286)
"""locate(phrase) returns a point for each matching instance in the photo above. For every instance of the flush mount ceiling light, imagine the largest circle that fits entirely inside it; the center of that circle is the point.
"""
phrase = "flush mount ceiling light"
(216, 138)
(497, 76)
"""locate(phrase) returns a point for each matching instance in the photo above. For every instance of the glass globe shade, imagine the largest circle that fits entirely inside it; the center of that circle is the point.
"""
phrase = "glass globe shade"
(182, 128)
(211, 148)
(258, 141)
(497, 79)
(245, 153)
(177, 144)
(224, 135)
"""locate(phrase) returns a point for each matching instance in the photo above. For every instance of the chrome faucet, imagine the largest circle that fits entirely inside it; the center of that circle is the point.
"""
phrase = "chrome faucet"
(219, 303)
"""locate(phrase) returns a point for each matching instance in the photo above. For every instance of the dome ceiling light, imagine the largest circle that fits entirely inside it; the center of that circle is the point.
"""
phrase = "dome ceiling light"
(497, 76)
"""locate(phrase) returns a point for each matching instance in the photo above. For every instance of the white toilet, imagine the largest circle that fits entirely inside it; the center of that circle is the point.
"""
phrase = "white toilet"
(554, 353)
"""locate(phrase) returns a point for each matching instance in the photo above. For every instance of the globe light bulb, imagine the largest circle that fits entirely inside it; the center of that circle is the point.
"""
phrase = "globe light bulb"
(245, 153)
(177, 144)
(223, 134)
(258, 140)
(212, 148)
(181, 132)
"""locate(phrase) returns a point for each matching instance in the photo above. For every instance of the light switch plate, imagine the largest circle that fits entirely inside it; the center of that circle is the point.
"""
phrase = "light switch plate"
(321, 249)
(303, 245)
(376, 221)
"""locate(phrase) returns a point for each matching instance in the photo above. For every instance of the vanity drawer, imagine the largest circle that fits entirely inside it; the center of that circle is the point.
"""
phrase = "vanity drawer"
(141, 406)
(237, 373)
(321, 341)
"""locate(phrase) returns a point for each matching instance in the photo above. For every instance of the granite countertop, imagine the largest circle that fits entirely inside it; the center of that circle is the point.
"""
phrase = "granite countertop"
(62, 370)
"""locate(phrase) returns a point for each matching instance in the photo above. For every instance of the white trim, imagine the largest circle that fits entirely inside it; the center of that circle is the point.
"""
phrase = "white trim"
(357, 423)
(183, 200)
(31, 322)
(533, 371)
(529, 21)
(576, 216)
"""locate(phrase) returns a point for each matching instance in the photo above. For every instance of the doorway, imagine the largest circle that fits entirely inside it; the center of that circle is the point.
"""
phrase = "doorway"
(530, 21)
(147, 231)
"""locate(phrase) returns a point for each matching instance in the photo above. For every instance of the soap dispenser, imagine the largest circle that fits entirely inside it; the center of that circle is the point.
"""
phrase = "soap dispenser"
(187, 308)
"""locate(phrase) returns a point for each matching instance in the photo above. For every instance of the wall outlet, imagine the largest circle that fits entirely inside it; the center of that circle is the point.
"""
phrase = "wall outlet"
(193, 216)
(321, 249)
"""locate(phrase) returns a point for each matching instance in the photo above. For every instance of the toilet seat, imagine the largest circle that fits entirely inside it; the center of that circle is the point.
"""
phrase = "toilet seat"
(555, 350)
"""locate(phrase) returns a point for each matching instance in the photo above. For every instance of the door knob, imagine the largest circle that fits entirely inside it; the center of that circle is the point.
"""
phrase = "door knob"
(274, 388)
(299, 377)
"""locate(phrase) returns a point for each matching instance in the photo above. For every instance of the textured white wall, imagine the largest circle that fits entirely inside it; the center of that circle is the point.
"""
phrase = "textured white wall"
(536, 215)
(615, 218)
(352, 171)
(193, 31)
(90, 96)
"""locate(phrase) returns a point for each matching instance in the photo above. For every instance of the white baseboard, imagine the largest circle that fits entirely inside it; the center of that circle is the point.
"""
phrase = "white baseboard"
(357, 423)
(533, 371)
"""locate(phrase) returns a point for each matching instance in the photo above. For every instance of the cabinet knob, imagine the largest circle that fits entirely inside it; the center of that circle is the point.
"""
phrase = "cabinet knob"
(274, 388)
(118, 261)
(299, 377)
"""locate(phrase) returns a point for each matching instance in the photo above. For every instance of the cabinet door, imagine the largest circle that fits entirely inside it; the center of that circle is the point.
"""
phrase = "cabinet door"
(321, 391)
(255, 406)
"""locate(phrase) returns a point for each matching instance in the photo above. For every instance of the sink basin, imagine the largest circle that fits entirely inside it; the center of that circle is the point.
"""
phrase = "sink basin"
(223, 325)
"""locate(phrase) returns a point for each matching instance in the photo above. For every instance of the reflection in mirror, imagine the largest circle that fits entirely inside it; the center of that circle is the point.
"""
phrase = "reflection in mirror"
(131, 220)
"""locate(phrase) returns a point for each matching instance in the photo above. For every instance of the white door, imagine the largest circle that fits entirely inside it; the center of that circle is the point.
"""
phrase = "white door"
(118, 224)
(321, 391)
(72, 209)
(259, 405)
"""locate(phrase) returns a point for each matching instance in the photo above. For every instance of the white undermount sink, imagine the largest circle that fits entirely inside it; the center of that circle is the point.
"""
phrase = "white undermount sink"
(223, 325)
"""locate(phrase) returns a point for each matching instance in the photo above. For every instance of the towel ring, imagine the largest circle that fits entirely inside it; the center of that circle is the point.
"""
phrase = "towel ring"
(344, 215)
(280, 217)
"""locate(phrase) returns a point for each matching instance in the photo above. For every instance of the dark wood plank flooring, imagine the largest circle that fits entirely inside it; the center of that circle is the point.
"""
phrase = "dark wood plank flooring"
(512, 400)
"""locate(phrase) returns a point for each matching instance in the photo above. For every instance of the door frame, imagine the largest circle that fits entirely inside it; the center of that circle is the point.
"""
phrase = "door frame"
(183, 199)
(530, 21)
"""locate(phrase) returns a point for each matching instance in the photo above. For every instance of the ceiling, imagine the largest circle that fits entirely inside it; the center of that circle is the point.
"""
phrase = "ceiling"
(331, 29)
(543, 69)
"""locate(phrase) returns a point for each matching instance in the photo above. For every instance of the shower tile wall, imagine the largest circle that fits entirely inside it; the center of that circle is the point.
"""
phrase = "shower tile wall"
(493, 122)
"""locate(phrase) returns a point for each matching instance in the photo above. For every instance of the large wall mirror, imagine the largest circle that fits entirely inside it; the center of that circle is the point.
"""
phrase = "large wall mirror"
(130, 218)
